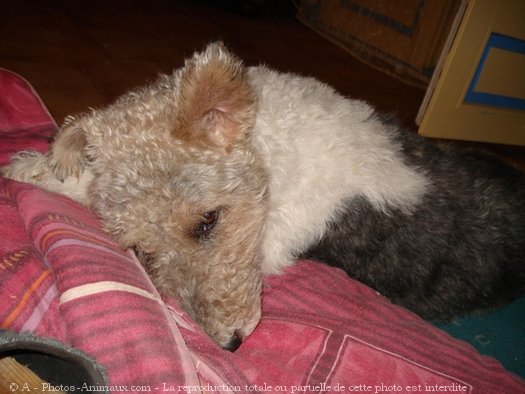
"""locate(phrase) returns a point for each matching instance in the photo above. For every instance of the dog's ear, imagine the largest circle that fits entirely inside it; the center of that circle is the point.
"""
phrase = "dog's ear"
(215, 105)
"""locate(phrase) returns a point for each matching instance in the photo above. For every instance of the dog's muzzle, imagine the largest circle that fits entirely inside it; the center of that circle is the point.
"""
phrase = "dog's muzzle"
(234, 343)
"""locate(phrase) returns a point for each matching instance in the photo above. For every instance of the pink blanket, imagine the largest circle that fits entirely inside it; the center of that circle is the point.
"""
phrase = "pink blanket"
(62, 277)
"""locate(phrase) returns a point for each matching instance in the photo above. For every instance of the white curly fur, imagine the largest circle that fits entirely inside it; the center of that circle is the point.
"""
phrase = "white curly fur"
(320, 150)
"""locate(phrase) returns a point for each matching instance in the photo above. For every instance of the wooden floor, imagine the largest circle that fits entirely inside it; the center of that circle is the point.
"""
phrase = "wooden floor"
(81, 54)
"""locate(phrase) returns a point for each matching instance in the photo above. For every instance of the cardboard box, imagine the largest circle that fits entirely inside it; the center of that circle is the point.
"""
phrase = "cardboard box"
(401, 38)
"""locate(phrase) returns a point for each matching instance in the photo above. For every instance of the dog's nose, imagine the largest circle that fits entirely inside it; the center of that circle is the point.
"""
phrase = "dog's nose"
(234, 343)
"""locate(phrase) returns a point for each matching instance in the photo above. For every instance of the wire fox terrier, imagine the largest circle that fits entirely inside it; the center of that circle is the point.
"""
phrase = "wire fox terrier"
(219, 174)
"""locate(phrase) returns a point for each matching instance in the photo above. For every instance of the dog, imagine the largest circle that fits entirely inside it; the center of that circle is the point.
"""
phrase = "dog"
(219, 174)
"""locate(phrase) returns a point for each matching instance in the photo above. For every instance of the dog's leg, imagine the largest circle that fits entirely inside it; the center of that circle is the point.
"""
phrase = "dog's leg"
(62, 170)
(34, 167)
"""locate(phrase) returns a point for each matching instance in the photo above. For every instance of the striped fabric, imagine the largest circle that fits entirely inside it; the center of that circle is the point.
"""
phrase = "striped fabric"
(62, 277)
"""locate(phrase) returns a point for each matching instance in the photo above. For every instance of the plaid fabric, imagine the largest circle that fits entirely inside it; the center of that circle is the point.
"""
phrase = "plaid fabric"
(61, 276)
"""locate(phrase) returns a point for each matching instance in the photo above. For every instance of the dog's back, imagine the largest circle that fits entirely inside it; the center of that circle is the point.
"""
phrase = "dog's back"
(438, 230)
(320, 149)
(461, 250)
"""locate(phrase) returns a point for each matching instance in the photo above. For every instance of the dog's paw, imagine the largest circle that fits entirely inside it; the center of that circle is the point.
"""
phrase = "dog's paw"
(27, 166)
(34, 167)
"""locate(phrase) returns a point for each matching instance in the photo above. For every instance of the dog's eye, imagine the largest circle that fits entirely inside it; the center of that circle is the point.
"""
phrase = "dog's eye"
(206, 224)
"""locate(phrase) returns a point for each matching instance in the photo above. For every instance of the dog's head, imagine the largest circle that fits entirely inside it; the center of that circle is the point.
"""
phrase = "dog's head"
(176, 178)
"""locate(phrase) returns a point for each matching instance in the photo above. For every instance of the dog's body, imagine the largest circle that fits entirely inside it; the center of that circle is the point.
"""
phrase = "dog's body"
(219, 174)
(460, 250)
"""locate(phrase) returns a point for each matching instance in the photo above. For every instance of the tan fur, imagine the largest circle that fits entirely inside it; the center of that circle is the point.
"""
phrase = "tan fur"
(155, 164)
(216, 103)
(66, 157)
